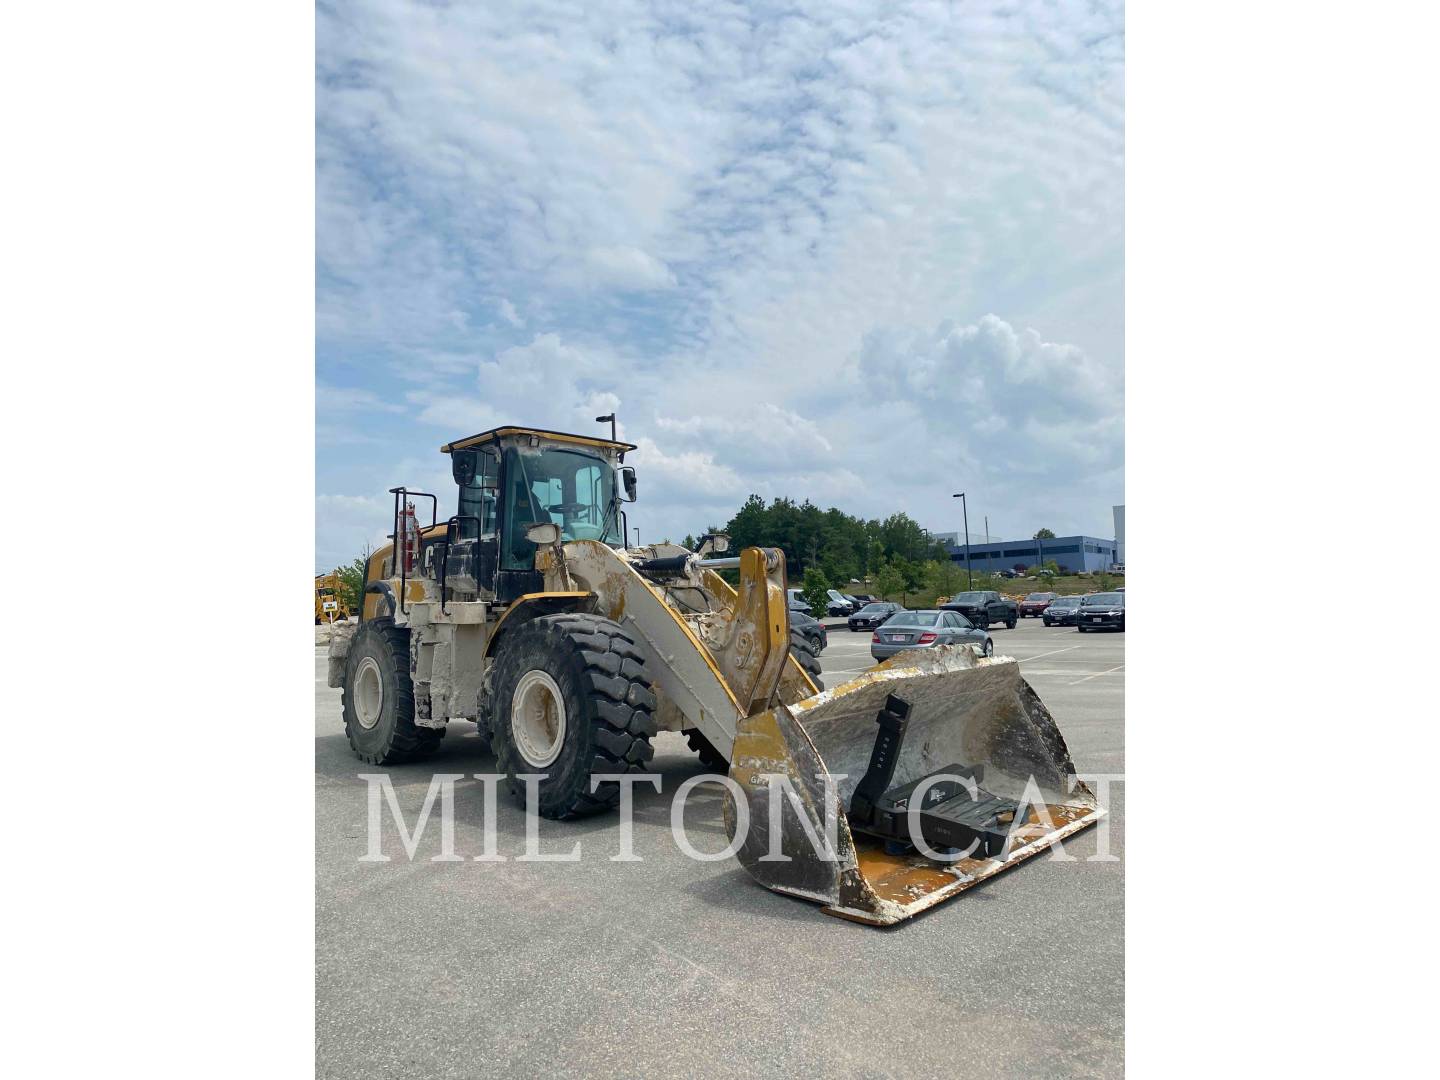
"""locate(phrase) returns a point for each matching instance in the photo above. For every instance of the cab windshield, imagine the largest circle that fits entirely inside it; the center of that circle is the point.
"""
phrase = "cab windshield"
(573, 490)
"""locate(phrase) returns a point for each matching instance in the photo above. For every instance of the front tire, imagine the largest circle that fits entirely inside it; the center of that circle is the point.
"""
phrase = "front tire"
(571, 700)
(377, 698)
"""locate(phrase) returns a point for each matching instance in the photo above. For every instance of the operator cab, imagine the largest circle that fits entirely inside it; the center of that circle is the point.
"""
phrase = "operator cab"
(511, 479)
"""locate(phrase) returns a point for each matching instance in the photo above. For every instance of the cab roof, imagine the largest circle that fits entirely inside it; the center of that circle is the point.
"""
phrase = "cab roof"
(495, 434)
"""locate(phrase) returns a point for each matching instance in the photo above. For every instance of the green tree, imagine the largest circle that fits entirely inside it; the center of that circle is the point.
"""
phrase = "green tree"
(1044, 534)
(352, 580)
(689, 542)
(889, 582)
(944, 578)
(815, 590)
(912, 573)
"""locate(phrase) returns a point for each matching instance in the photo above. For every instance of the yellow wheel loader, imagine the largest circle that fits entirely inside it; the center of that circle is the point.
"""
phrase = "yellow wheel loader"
(526, 614)
(330, 604)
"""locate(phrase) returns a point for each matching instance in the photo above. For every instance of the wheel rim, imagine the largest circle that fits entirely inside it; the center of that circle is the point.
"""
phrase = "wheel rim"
(537, 718)
(989, 648)
(369, 693)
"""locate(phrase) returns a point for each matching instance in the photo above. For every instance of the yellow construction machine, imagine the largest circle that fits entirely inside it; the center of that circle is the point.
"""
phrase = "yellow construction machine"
(330, 603)
(526, 613)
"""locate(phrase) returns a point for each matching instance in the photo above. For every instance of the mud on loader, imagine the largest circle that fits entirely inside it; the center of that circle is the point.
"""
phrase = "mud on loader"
(526, 614)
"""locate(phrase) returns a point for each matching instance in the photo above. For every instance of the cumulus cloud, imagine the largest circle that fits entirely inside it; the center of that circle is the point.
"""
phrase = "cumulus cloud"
(988, 374)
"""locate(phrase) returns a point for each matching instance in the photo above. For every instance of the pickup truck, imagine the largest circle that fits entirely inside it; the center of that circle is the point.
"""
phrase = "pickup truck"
(984, 607)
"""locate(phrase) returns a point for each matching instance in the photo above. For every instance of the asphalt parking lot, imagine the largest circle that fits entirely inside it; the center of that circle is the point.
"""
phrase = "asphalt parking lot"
(675, 967)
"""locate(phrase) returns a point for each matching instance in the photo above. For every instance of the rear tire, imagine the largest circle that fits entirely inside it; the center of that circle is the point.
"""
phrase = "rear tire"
(1010, 623)
(571, 699)
(377, 698)
(989, 648)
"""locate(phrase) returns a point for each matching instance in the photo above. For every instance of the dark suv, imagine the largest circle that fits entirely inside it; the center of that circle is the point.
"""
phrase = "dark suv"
(984, 608)
(1103, 611)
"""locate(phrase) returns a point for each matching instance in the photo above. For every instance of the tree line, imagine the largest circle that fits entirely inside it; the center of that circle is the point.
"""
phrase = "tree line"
(827, 549)
(840, 545)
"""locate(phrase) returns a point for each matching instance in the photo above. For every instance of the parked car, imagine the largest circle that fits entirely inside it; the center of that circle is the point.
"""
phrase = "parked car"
(839, 604)
(984, 607)
(1007, 573)
(813, 629)
(872, 615)
(1036, 603)
(923, 629)
(1061, 611)
(1103, 611)
(863, 598)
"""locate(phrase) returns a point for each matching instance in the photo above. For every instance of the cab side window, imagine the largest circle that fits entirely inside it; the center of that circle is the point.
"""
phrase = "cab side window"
(477, 499)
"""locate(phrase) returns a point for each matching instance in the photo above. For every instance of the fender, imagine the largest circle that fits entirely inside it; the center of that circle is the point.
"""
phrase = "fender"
(533, 605)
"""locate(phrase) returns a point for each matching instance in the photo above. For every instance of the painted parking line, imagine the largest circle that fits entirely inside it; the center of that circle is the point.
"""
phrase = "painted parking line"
(1052, 652)
(1097, 674)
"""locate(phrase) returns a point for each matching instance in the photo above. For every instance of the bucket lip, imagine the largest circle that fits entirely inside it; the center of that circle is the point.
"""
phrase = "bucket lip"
(887, 912)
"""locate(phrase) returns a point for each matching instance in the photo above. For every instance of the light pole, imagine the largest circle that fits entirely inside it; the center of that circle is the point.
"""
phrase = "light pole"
(611, 418)
(969, 580)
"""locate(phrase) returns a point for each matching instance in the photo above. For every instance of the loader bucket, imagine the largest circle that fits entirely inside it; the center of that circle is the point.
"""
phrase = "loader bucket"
(963, 710)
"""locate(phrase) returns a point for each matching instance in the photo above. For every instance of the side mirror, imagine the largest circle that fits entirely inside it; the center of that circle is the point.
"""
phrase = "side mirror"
(464, 464)
(543, 533)
(627, 480)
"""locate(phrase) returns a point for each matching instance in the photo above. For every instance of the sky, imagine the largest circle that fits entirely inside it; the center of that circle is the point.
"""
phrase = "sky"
(868, 254)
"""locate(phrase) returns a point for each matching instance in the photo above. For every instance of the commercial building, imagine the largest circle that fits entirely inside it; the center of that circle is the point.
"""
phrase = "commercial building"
(1070, 553)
